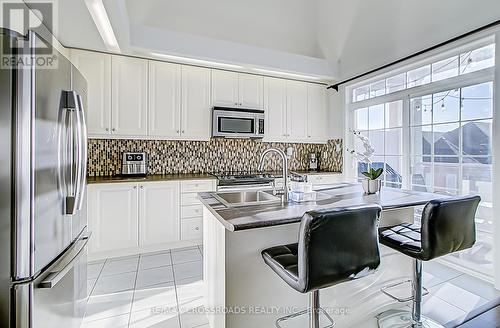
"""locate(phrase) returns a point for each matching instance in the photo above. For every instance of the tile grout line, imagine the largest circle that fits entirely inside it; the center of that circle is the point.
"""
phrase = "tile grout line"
(188, 262)
(176, 297)
(92, 291)
(442, 299)
(98, 277)
(133, 292)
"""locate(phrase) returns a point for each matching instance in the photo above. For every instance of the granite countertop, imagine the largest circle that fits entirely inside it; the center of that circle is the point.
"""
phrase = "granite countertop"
(150, 178)
(171, 177)
(313, 172)
(340, 195)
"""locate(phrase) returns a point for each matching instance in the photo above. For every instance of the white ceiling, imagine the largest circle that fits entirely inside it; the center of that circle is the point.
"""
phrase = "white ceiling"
(335, 38)
(283, 25)
(368, 34)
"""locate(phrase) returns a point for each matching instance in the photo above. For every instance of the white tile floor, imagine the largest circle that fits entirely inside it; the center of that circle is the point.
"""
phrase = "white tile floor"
(164, 290)
(149, 290)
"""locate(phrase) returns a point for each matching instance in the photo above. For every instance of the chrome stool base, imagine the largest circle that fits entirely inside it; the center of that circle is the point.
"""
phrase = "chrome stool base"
(313, 312)
(403, 319)
(305, 312)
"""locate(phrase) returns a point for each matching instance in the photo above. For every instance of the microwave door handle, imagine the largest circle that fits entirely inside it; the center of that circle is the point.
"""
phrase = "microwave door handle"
(83, 147)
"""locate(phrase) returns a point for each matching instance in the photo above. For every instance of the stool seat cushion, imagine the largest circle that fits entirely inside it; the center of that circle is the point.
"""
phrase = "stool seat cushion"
(284, 261)
(404, 237)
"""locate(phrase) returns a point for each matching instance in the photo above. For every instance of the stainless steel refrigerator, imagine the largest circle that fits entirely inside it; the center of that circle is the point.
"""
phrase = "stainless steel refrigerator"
(43, 223)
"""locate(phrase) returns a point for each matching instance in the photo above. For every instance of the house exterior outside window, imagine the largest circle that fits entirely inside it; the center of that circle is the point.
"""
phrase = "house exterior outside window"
(431, 125)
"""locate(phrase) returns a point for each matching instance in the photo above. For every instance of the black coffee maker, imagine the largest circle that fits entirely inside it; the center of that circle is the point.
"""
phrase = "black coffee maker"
(313, 162)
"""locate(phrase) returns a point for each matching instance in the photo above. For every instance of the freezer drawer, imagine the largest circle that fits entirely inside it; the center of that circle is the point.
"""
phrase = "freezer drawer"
(58, 296)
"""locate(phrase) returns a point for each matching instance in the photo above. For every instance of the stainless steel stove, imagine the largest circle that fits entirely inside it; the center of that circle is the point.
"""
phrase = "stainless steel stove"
(243, 180)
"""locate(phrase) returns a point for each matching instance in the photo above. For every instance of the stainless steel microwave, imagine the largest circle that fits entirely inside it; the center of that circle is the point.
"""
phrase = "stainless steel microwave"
(237, 123)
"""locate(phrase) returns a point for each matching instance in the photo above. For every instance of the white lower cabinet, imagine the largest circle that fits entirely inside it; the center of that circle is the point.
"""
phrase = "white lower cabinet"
(191, 228)
(325, 179)
(131, 218)
(113, 216)
(192, 209)
(159, 213)
(317, 179)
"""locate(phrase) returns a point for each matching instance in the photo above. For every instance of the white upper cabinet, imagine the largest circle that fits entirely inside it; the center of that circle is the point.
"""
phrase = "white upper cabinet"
(164, 99)
(96, 68)
(132, 98)
(251, 89)
(231, 89)
(275, 109)
(129, 96)
(159, 204)
(295, 111)
(296, 99)
(225, 88)
(195, 103)
(317, 116)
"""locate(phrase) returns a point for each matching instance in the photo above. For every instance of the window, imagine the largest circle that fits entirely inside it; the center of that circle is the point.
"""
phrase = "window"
(382, 124)
(459, 64)
(449, 131)
(433, 135)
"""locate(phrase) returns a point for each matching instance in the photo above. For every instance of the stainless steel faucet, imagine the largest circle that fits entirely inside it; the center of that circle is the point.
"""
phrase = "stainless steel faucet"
(284, 159)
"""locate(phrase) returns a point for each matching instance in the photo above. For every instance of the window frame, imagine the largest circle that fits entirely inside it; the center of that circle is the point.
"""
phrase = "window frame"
(461, 81)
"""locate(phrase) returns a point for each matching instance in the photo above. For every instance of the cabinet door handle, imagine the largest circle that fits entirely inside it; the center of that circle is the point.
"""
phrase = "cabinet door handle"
(113, 129)
(182, 131)
(135, 187)
(142, 187)
(236, 104)
(107, 129)
(241, 104)
(178, 131)
(197, 228)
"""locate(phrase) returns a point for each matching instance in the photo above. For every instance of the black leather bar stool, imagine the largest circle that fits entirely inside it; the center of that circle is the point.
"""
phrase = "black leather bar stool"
(447, 226)
(334, 246)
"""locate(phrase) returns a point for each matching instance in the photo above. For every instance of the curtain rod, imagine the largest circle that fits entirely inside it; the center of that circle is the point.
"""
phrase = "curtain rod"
(485, 27)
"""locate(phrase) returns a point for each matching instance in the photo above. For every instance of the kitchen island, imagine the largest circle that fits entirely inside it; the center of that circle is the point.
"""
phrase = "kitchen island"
(241, 291)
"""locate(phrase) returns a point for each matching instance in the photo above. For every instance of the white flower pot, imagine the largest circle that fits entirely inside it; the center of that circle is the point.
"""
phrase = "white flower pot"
(371, 186)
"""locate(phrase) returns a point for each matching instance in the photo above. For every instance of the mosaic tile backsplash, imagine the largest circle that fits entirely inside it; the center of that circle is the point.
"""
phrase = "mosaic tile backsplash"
(174, 157)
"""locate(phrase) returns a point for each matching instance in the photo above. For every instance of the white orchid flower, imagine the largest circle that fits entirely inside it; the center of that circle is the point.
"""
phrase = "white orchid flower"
(367, 154)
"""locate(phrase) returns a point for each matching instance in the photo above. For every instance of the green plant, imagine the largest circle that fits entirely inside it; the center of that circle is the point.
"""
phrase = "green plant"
(373, 174)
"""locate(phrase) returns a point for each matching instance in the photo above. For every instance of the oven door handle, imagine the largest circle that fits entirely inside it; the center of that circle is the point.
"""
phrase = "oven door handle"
(54, 277)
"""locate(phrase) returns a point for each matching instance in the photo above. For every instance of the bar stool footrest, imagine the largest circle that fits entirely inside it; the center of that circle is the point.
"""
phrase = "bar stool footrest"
(402, 319)
(387, 291)
(303, 312)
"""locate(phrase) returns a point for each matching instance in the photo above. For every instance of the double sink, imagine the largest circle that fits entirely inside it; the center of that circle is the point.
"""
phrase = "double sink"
(261, 197)
(246, 198)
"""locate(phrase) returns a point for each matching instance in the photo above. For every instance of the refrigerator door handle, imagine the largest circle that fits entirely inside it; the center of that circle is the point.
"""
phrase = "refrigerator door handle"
(61, 154)
(83, 146)
(73, 152)
(77, 250)
(78, 144)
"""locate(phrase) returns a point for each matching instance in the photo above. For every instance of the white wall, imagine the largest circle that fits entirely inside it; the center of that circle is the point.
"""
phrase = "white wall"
(336, 118)
(363, 35)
